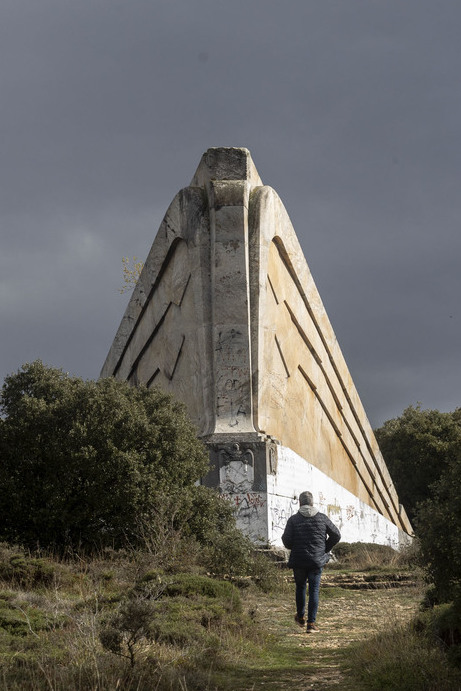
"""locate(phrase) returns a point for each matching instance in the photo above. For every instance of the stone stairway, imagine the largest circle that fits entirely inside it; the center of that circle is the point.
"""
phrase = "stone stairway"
(368, 581)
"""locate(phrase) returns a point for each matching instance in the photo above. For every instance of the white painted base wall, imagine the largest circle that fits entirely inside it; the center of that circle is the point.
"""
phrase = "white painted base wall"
(263, 516)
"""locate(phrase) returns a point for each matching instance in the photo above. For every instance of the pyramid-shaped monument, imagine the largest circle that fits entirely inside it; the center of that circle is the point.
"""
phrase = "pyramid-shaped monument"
(227, 318)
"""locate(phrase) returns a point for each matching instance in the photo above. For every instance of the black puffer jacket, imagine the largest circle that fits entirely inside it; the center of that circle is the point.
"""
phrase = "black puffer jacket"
(309, 538)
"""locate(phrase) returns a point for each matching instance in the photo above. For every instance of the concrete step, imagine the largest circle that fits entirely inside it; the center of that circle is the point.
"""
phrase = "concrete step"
(368, 581)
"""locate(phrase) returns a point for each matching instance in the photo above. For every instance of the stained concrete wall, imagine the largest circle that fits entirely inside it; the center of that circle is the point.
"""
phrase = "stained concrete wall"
(226, 317)
(263, 479)
(357, 521)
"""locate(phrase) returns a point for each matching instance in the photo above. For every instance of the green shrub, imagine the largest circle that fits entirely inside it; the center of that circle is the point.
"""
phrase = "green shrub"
(125, 631)
(190, 585)
(228, 553)
(181, 611)
(417, 447)
(27, 572)
(187, 625)
(439, 528)
(81, 462)
(422, 450)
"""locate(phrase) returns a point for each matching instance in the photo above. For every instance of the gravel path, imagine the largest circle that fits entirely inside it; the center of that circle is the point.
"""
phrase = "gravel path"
(345, 617)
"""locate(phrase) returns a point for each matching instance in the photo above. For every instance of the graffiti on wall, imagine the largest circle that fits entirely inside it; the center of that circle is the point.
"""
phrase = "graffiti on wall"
(247, 504)
(280, 511)
(250, 512)
(236, 484)
(350, 512)
(232, 387)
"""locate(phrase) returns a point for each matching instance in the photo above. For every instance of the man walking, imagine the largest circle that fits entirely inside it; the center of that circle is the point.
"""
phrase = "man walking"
(310, 535)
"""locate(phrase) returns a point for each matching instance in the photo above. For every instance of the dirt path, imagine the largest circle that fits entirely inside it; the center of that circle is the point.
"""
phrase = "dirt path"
(314, 661)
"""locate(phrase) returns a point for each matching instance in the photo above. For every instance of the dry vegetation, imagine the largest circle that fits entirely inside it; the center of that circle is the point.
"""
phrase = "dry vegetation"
(122, 621)
(118, 620)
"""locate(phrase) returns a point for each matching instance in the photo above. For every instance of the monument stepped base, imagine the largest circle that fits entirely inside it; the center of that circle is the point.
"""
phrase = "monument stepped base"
(263, 479)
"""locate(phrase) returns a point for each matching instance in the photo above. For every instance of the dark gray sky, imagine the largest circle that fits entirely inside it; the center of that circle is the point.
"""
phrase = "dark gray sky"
(351, 110)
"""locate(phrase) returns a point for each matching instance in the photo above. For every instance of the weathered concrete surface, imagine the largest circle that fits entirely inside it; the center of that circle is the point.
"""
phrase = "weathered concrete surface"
(226, 316)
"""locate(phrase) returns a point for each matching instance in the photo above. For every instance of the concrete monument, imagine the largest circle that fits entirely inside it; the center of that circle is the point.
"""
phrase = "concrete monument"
(226, 317)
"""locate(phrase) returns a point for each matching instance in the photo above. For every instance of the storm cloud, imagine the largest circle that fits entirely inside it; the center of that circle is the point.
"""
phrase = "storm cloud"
(351, 111)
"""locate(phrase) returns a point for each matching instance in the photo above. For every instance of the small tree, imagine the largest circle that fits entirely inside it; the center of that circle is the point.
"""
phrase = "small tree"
(422, 449)
(438, 524)
(128, 628)
(86, 463)
(131, 274)
(417, 447)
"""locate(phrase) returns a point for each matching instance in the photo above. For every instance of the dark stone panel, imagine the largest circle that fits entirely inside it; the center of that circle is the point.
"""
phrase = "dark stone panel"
(261, 455)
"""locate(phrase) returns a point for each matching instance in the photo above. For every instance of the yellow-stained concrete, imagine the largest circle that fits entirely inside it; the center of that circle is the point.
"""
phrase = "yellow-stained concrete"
(305, 392)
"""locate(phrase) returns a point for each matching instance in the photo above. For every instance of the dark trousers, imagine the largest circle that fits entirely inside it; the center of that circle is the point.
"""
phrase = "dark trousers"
(302, 578)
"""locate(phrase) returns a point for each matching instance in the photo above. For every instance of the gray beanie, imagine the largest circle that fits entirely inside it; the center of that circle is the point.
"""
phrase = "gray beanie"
(306, 498)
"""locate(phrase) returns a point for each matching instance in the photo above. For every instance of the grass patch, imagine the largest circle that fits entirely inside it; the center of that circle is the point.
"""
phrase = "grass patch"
(118, 620)
(401, 658)
(331, 592)
(442, 623)
(19, 620)
(364, 556)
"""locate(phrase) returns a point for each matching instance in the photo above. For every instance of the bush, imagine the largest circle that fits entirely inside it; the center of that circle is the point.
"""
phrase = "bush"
(27, 572)
(86, 463)
(422, 449)
(126, 630)
(178, 610)
(438, 525)
(417, 447)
